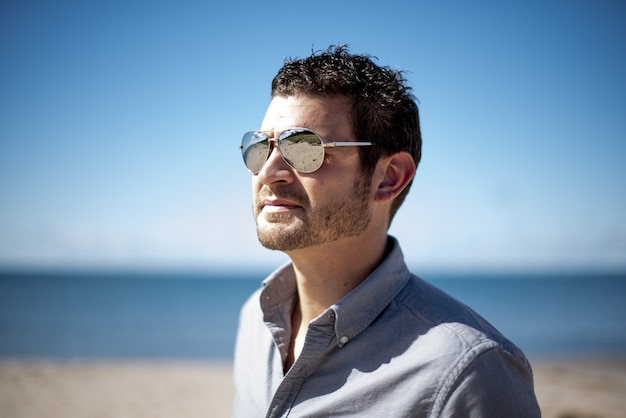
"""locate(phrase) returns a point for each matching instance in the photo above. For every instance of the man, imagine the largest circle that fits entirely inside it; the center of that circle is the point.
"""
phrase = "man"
(345, 329)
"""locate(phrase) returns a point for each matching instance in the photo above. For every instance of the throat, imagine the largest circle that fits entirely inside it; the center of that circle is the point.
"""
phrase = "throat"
(298, 334)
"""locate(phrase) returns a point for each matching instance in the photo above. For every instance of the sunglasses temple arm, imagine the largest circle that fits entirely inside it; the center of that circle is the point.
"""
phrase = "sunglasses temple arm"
(345, 144)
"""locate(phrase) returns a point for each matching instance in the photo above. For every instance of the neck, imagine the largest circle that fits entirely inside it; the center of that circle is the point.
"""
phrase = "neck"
(324, 275)
(327, 273)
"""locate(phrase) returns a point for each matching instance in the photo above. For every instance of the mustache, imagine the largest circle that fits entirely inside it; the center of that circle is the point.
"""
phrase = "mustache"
(296, 196)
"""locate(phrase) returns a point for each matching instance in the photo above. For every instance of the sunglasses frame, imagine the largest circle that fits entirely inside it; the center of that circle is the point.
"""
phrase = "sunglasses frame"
(286, 134)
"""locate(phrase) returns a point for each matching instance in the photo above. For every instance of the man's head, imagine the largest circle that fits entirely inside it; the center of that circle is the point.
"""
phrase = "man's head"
(384, 109)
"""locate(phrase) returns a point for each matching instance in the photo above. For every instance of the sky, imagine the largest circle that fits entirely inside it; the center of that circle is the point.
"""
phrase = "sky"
(120, 125)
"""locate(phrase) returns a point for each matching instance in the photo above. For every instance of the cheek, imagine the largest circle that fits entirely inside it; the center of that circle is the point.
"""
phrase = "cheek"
(328, 193)
(255, 190)
(255, 185)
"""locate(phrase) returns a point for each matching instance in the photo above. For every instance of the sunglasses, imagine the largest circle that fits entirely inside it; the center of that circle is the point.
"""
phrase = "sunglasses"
(301, 148)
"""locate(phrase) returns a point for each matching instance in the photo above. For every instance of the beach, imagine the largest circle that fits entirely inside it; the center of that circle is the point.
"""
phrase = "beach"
(190, 389)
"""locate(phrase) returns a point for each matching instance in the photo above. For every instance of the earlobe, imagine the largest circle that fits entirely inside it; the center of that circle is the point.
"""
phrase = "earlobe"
(399, 170)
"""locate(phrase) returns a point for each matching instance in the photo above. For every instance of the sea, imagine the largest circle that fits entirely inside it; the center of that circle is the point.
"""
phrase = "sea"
(194, 316)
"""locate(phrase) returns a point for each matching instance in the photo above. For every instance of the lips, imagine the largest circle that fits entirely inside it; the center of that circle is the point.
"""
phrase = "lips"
(278, 205)
(279, 200)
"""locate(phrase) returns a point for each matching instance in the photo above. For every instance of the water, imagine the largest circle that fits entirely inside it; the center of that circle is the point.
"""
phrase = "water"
(192, 316)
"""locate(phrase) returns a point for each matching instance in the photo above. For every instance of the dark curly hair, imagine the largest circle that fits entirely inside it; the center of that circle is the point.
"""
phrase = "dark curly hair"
(385, 109)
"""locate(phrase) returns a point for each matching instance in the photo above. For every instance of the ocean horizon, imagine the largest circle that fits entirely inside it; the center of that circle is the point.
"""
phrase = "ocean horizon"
(193, 315)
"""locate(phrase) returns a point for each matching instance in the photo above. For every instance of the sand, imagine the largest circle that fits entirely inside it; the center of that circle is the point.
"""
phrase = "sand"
(82, 389)
(581, 389)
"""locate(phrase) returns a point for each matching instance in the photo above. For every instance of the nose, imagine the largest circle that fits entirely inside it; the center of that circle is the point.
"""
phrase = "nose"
(275, 168)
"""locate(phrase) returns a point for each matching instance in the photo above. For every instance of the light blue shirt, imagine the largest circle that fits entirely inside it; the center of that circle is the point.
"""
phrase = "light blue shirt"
(394, 347)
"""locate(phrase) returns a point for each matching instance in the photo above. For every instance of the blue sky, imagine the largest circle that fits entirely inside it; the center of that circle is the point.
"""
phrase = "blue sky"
(120, 124)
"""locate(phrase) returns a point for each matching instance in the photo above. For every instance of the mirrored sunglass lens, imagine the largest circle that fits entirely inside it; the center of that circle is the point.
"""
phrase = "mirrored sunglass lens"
(302, 149)
(254, 149)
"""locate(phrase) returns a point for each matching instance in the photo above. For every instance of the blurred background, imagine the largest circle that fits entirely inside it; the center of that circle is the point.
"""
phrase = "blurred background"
(120, 124)
(126, 228)
(122, 190)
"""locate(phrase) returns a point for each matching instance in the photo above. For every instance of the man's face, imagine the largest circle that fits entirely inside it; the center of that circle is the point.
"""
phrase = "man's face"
(295, 210)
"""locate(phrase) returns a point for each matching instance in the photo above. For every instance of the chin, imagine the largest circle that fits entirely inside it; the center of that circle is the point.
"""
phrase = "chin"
(283, 238)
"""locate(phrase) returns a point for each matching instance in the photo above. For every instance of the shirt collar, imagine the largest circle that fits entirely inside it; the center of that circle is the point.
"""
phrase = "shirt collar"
(359, 308)
(352, 314)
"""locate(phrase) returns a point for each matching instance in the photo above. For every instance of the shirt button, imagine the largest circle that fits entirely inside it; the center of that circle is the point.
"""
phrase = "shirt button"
(343, 340)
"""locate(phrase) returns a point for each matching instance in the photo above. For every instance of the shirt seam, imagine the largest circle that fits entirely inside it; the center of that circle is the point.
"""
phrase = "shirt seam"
(456, 372)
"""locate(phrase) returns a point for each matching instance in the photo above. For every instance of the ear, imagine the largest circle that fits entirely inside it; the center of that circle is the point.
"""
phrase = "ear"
(397, 171)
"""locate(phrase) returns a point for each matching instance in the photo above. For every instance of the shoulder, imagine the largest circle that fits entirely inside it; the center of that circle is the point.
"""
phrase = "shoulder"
(252, 304)
(478, 366)
(488, 381)
(437, 308)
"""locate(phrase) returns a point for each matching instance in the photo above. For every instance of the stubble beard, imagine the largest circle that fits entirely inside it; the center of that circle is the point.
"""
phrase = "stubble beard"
(347, 217)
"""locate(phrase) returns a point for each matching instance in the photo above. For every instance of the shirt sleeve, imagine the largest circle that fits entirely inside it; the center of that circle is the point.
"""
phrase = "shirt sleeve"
(495, 384)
